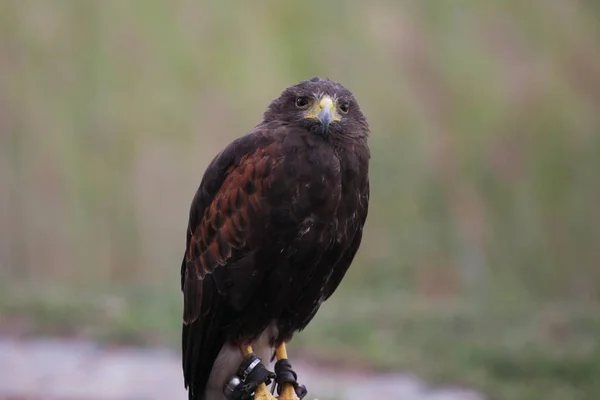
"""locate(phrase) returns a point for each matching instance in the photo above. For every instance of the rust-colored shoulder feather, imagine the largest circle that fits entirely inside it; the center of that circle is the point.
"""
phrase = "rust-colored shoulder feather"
(227, 226)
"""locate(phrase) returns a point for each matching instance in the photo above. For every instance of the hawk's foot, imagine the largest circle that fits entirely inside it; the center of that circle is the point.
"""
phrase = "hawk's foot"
(286, 378)
(251, 380)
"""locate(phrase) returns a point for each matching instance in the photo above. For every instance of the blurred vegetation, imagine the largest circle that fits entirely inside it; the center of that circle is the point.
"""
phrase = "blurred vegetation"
(481, 260)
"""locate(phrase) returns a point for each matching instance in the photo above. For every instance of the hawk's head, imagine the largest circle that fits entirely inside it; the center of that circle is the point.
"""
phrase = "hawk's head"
(321, 106)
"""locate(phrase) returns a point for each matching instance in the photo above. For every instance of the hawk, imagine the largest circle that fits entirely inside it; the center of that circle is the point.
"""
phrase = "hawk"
(273, 228)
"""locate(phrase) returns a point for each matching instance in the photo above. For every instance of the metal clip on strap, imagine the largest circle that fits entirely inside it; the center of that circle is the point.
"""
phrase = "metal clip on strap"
(250, 374)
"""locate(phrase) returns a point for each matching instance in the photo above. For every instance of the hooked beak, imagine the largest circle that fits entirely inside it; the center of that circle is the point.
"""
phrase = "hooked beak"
(326, 115)
(325, 112)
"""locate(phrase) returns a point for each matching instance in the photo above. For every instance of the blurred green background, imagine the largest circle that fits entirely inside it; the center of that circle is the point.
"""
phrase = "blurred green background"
(481, 258)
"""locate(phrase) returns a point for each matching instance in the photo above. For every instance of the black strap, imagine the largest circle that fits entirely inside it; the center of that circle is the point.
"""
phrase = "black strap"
(252, 373)
(285, 374)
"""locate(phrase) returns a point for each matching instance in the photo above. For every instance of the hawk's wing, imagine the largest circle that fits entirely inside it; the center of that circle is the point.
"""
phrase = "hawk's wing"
(225, 214)
(226, 218)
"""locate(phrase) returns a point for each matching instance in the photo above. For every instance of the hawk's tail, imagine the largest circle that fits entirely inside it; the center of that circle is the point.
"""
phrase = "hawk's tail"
(202, 341)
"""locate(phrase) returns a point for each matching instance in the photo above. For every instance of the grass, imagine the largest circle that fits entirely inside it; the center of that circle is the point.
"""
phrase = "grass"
(519, 353)
(480, 259)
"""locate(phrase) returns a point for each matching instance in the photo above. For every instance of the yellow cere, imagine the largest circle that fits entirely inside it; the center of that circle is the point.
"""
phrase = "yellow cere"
(325, 102)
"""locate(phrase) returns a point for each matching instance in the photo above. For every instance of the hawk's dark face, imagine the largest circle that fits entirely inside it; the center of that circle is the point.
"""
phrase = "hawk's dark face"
(321, 106)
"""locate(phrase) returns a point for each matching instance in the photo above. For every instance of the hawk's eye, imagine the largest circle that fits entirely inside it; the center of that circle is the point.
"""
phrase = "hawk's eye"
(301, 102)
(344, 107)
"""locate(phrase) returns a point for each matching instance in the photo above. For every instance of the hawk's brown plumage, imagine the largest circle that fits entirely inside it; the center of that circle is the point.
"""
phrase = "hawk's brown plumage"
(274, 225)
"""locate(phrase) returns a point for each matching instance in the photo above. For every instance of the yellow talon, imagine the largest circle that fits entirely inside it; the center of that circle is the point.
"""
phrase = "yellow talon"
(262, 392)
(287, 392)
(247, 350)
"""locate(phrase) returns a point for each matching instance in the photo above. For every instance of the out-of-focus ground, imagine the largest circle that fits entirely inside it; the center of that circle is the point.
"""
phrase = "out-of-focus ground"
(480, 262)
(69, 370)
